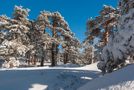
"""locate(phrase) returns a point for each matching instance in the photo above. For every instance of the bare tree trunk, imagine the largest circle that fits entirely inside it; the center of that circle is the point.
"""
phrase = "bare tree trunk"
(54, 47)
(106, 35)
(34, 59)
(65, 58)
(53, 62)
(43, 57)
(43, 51)
(42, 61)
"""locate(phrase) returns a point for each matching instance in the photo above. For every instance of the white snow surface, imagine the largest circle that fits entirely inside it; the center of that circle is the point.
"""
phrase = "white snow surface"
(122, 79)
(47, 78)
(66, 78)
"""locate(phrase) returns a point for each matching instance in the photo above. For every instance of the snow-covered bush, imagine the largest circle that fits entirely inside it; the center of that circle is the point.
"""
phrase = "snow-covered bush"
(11, 63)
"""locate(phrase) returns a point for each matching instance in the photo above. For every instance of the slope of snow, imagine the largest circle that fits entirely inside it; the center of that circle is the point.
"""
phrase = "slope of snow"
(47, 78)
(122, 79)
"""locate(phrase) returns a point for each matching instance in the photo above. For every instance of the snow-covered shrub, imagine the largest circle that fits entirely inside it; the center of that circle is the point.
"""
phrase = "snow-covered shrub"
(11, 63)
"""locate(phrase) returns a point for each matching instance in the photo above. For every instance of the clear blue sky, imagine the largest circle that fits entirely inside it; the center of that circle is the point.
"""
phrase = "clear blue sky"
(75, 12)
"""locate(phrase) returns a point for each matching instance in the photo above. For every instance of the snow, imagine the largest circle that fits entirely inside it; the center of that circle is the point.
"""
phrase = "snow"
(3, 23)
(122, 79)
(38, 87)
(64, 77)
(47, 78)
(68, 65)
(128, 85)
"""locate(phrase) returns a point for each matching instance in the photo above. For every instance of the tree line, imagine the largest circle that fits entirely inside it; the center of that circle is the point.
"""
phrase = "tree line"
(48, 38)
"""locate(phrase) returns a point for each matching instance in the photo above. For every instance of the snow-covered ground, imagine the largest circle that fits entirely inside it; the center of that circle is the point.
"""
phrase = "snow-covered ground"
(47, 78)
(122, 79)
(65, 77)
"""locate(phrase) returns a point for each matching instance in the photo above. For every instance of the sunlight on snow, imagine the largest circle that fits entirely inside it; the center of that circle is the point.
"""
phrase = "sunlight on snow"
(38, 87)
(88, 78)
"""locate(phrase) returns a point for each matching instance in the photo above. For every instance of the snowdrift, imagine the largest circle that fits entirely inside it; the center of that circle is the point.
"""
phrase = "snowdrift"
(122, 79)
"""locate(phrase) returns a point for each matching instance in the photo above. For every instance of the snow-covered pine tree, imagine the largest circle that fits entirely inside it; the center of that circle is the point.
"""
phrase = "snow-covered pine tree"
(72, 51)
(28, 39)
(121, 43)
(87, 53)
(101, 27)
(15, 39)
(60, 31)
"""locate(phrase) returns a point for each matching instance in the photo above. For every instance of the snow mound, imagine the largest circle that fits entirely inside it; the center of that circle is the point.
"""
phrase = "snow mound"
(122, 79)
(128, 85)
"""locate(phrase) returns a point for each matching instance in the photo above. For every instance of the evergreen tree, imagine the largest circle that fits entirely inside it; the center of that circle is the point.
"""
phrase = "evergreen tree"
(102, 26)
(29, 39)
(120, 45)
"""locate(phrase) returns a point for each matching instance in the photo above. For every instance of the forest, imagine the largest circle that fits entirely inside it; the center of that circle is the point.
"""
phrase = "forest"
(48, 39)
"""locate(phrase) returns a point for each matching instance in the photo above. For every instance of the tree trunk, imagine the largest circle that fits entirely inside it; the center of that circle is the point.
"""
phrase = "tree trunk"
(34, 59)
(106, 35)
(43, 57)
(54, 46)
(65, 58)
(44, 52)
(53, 62)
(42, 61)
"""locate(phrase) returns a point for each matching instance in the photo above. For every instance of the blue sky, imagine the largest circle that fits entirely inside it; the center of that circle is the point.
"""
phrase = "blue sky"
(75, 12)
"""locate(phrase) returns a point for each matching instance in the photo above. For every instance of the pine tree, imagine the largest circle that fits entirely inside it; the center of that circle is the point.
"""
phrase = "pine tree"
(88, 53)
(120, 45)
(29, 39)
(101, 28)
(15, 40)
